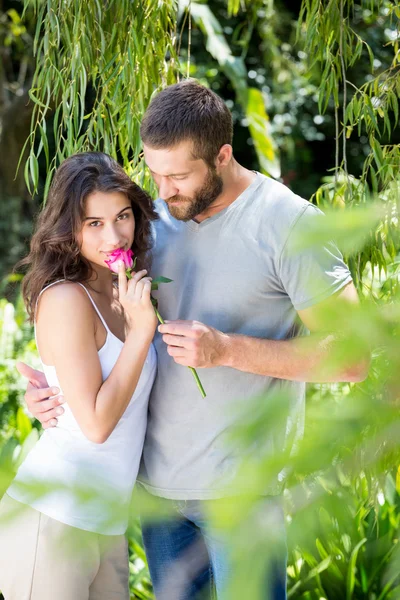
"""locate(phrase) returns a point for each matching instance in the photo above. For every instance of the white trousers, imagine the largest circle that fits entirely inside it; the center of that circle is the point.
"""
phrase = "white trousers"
(43, 559)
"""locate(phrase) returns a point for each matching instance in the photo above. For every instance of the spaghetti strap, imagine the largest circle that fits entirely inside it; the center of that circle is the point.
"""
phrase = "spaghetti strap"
(95, 308)
(47, 287)
(44, 289)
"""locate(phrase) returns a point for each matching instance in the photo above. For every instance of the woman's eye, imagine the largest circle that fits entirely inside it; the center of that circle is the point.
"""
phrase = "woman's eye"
(124, 216)
(94, 223)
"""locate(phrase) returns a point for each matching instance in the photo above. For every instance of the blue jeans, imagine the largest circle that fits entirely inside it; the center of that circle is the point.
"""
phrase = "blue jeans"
(190, 556)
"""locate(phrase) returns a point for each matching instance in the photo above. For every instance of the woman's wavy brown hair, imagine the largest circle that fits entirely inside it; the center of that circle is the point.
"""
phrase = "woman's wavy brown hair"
(54, 251)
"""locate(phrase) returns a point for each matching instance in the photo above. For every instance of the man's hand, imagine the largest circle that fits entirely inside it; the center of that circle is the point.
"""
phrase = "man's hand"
(194, 344)
(42, 401)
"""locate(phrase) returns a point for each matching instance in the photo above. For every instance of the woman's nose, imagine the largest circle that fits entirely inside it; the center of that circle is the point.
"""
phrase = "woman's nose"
(112, 236)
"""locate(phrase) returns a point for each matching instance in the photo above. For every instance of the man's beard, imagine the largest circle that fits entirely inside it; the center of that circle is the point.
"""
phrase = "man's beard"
(189, 208)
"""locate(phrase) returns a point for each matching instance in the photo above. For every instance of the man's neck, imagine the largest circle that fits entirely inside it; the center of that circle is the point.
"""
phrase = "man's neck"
(235, 180)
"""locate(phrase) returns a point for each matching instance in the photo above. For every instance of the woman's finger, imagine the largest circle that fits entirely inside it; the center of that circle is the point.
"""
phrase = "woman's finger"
(122, 280)
(146, 289)
(145, 282)
(134, 281)
(138, 276)
(139, 290)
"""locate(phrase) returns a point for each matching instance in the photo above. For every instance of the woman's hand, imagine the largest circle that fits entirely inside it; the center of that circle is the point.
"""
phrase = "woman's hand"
(134, 296)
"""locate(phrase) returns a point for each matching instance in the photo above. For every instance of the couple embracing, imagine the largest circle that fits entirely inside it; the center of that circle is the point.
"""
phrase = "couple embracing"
(114, 398)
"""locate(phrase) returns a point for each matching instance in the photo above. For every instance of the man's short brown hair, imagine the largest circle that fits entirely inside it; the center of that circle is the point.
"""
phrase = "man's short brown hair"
(188, 111)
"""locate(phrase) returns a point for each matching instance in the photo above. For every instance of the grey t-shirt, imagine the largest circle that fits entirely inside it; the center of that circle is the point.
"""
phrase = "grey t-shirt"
(234, 271)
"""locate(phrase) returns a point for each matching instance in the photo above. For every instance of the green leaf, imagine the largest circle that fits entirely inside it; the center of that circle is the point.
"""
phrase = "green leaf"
(259, 129)
(44, 142)
(47, 184)
(364, 578)
(321, 550)
(219, 49)
(14, 16)
(27, 445)
(322, 566)
(24, 426)
(161, 279)
(395, 106)
(7, 453)
(36, 100)
(377, 150)
(351, 571)
(26, 177)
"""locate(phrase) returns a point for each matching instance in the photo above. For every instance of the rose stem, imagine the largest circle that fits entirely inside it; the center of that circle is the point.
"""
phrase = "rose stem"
(194, 372)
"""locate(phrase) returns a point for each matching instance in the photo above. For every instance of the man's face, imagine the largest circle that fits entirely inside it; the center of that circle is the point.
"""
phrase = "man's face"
(188, 186)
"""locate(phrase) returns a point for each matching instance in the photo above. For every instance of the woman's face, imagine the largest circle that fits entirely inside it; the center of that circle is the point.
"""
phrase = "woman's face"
(108, 224)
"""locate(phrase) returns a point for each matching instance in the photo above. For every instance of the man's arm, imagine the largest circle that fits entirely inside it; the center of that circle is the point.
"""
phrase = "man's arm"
(313, 358)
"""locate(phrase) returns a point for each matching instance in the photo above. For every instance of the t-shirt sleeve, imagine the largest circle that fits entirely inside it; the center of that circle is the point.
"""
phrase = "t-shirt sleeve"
(310, 271)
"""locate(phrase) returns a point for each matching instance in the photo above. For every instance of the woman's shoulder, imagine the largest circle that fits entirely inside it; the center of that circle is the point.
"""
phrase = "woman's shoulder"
(64, 298)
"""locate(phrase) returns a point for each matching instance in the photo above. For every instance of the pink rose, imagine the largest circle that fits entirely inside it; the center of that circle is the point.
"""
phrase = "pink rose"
(126, 256)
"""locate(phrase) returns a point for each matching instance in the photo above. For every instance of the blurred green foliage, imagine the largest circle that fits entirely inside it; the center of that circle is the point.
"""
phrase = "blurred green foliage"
(313, 87)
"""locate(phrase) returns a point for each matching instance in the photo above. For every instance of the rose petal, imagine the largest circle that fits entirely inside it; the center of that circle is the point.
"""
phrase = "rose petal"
(126, 256)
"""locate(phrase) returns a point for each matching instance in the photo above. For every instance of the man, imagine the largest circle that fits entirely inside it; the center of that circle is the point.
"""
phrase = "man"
(225, 239)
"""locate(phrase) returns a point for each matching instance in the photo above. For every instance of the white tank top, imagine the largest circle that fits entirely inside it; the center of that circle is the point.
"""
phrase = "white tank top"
(78, 482)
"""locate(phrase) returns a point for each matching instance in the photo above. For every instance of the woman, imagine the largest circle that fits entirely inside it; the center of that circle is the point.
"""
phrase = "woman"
(63, 519)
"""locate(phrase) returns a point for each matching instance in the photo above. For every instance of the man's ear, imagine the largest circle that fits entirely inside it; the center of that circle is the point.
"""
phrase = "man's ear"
(224, 156)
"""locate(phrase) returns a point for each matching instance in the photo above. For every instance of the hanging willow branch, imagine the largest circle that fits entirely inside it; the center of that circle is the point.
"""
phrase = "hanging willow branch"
(343, 78)
(98, 63)
(373, 104)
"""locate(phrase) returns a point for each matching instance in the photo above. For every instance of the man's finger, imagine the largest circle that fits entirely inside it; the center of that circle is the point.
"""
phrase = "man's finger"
(177, 321)
(47, 405)
(183, 361)
(176, 340)
(50, 424)
(46, 418)
(37, 378)
(34, 394)
(176, 351)
(175, 328)
(122, 280)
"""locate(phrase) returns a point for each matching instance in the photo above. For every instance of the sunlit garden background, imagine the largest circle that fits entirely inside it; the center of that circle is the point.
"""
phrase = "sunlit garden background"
(314, 88)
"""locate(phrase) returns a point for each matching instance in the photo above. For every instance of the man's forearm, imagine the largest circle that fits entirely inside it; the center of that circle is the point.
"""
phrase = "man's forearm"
(309, 358)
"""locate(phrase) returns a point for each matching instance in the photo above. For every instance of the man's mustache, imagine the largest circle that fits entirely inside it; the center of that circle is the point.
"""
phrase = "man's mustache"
(177, 199)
